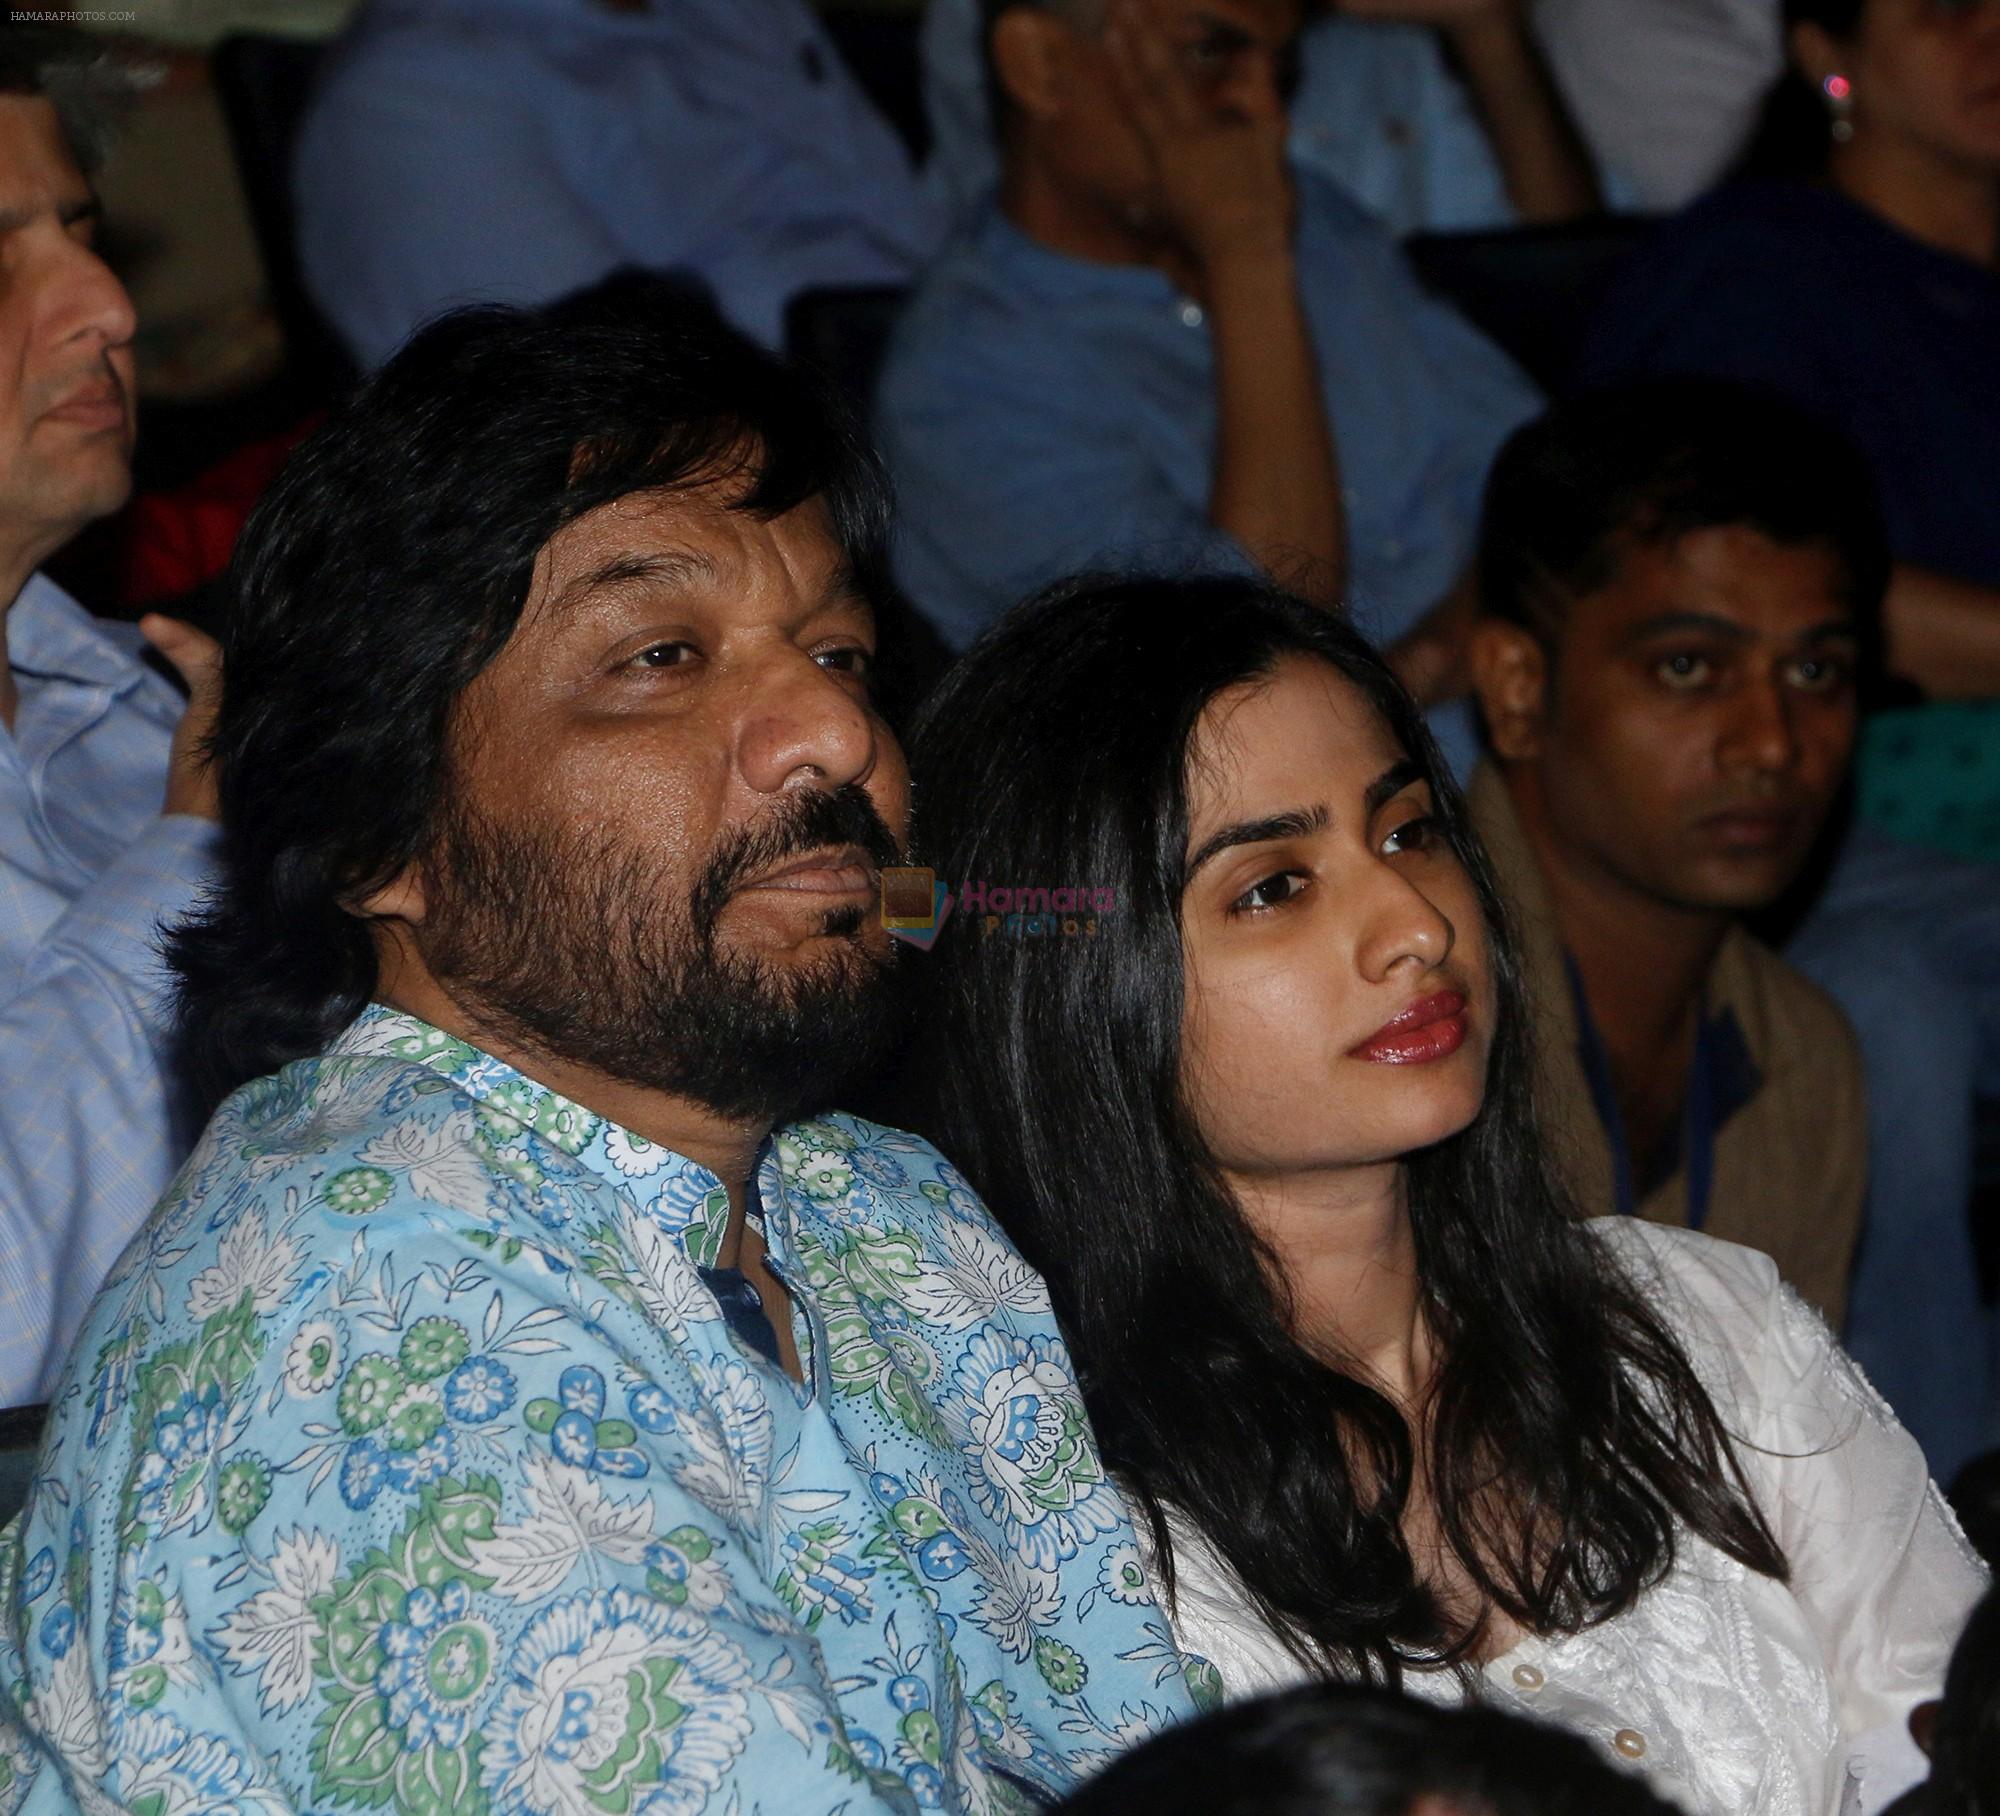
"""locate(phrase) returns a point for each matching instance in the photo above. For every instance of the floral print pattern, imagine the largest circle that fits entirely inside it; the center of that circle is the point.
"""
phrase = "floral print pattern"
(407, 1463)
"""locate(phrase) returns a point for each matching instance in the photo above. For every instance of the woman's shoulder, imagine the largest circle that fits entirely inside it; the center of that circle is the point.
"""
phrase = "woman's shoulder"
(1750, 1337)
(1712, 1276)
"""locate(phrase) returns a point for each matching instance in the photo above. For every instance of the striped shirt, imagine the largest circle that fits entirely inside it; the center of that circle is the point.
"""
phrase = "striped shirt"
(89, 868)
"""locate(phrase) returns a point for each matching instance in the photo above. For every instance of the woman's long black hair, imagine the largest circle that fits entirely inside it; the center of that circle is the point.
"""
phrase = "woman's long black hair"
(1569, 1433)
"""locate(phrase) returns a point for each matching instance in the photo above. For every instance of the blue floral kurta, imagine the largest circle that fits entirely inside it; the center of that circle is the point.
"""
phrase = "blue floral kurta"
(407, 1462)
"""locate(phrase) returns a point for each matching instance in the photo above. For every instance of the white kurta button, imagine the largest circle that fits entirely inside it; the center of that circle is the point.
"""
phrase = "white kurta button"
(1528, 1678)
(1630, 1742)
(1191, 315)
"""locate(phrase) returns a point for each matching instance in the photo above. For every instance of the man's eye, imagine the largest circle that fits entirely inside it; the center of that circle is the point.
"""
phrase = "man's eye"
(663, 655)
(1420, 834)
(1820, 674)
(1685, 670)
(847, 659)
(1272, 892)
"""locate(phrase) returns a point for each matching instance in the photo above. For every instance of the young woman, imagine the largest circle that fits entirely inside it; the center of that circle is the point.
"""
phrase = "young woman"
(1261, 1115)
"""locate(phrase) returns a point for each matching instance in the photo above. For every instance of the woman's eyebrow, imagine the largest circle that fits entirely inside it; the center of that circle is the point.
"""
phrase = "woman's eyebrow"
(1293, 823)
(1391, 782)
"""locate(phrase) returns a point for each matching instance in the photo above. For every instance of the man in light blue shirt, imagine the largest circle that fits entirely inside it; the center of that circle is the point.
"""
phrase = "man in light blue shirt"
(1379, 110)
(514, 150)
(105, 814)
(532, 1396)
(1164, 345)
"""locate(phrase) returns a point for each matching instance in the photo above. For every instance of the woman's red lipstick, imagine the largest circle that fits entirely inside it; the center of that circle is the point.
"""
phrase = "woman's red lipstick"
(1433, 1028)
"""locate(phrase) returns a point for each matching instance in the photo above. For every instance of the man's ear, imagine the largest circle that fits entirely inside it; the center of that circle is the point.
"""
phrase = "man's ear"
(401, 898)
(1510, 676)
(1031, 59)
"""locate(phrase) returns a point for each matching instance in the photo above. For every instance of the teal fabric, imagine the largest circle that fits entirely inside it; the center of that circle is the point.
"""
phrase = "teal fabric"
(1930, 775)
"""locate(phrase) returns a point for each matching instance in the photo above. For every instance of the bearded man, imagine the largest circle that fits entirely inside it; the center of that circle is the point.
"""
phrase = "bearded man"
(515, 1405)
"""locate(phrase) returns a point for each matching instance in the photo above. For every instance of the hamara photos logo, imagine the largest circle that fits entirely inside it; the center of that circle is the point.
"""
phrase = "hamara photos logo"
(915, 907)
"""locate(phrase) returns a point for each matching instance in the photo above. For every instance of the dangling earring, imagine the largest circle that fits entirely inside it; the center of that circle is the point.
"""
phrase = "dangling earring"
(1839, 93)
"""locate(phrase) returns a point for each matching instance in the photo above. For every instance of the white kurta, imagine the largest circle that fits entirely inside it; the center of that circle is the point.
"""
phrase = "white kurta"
(1733, 1694)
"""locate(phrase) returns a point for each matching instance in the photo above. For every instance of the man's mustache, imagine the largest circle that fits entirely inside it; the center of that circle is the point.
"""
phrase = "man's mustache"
(808, 821)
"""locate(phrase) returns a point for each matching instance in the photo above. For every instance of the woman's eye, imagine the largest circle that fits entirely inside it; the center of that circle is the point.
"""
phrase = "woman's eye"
(1684, 670)
(1419, 834)
(1272, 892)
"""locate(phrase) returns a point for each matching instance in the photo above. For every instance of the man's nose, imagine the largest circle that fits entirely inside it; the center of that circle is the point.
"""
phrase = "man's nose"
(85, 299)
(1760, 733)
(803, 722)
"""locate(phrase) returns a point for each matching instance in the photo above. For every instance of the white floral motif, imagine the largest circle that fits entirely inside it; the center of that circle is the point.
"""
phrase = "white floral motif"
(980, 1278)
(571, 1518)
(312, 1359)
(438, 1160)
(272, 1633)
(246, 1261)
(615, 1694)
(633, 1155)
(1028, 1445)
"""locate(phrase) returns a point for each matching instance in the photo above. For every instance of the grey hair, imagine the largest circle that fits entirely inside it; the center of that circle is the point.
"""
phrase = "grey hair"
(88, 87)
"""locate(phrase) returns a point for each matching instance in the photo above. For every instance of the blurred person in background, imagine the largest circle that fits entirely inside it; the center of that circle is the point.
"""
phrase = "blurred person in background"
(106, 831)
(1165, 342)
(1666, 92)
(1388, 1407)
(1962, 1734)
(1678, 588)
(1434, 115)
(1853, 271)
(515, 150)
(1341, 1750)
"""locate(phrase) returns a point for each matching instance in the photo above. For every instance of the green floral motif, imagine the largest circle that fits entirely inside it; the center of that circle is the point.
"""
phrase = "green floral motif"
(671, 1562)
(1204, 1682)
(377, 1702)
(565, 1125)
(371, 1387)
(1062, 1667)
(433, 1347)
(357, 1190)
(889, 1366)
(434, 1048)
(182, 1411)
(413, 1420)
(244, 1487)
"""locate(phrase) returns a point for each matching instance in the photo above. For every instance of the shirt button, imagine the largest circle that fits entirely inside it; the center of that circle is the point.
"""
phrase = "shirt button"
(1528, 1677)
(1191, 315)
(1630, 1742)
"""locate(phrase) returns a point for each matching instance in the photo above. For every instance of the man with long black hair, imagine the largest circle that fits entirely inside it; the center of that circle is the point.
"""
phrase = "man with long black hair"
(533, 1396)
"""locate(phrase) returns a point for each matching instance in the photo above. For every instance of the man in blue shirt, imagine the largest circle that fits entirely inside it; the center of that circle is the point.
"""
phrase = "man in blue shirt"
(532, 1396)
(1379, 110)
(104, 808)
(1165, 344)
(514, 150)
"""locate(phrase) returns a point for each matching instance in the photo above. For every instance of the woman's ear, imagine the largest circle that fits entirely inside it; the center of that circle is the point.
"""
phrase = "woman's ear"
(1815, 54)
(1030, 58)
(1510, 677)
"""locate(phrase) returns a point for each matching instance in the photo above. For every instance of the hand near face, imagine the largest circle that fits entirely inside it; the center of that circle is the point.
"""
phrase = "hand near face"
(1444, 14)
(197, 658)
(1216, 140)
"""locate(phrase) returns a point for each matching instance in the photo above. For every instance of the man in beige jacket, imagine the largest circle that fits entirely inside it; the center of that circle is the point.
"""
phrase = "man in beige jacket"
(1677, 589)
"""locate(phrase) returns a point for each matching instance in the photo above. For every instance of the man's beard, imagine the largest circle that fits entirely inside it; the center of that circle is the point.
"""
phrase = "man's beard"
(586, 951)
